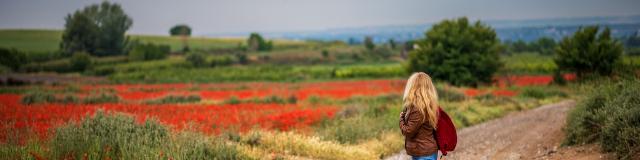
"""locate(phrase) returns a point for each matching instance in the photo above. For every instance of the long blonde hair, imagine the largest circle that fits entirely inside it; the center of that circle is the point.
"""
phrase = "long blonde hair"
(421, 94)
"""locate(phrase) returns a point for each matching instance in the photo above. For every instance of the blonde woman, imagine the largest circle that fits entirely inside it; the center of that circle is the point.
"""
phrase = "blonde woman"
(418, 120)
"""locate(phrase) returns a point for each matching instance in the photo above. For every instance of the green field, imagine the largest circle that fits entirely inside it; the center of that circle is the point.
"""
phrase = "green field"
(49, 40)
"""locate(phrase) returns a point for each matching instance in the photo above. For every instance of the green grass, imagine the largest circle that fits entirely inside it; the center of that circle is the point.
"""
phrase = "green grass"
(31, 40)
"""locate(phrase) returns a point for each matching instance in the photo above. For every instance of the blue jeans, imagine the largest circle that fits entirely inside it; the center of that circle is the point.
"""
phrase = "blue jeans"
(429, 157)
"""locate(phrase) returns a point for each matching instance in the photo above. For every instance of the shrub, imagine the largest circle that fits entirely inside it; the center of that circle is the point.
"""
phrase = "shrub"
(192, 145)
(458, 52)
(588, 53)
(80, 61)
(12, 58)
(176, 99)
(111, 136)
(197, 59)
(34, 97)
(102, 97)
(144, 52)
(609, 116)
(351, 130)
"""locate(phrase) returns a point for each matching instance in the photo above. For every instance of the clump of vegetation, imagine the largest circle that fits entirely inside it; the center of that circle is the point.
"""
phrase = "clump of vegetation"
(609, 116)
(80, 61)
(541, 92)
(101, 97)
(34, 97)
(115, 136)
(109, 136)
(257, 43)
(588, 53)
(176, 99)
(459, 52)
(149, 51)
(197, 59)
(12, 58)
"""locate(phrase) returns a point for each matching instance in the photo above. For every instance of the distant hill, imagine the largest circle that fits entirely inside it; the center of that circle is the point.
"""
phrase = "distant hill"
(512, 30)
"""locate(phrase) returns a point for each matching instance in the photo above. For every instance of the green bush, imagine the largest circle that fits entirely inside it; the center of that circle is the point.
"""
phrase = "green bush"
(80, 61)
(197, 59)
(34, 97)
(176, 99)
(12, 58)
(112, 136)
(145, 52)
(459, 52)
(192, 145)
(101, 97)
(609, 116)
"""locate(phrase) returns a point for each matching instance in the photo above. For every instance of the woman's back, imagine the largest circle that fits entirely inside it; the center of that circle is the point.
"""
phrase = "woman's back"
(419, 139)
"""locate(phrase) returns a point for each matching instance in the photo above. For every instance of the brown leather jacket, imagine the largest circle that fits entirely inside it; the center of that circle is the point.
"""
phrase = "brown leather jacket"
(418, 134)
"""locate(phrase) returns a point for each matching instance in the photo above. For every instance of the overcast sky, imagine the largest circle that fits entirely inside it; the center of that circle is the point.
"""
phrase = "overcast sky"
(223, 16)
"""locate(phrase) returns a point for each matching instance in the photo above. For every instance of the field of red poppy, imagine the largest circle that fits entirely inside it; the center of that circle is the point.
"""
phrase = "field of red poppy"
(308, 108)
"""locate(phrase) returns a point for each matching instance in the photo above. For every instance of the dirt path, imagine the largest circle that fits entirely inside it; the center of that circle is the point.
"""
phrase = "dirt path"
(531, 134)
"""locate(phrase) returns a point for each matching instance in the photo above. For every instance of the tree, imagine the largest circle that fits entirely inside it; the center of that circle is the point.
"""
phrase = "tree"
(368, 43)
(588, 53)
(257, 43)
(545, 45)
(97, 29)
(457, 52)
(180, 30)
(392, 43)
(184, 32)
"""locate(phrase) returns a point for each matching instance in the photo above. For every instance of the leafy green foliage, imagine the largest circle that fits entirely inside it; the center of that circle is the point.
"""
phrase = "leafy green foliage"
(171, 99)
(112, 136)
(80, 61)
(149, 51)
(610, 117)
(12, 58)
(97, 29)
(197, 59)
(368, 43)
(588, 53)
(180, 30)
(457, 52)
(257, 43)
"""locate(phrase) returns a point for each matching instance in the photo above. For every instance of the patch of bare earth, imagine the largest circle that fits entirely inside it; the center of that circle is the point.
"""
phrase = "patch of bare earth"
(531, 134)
